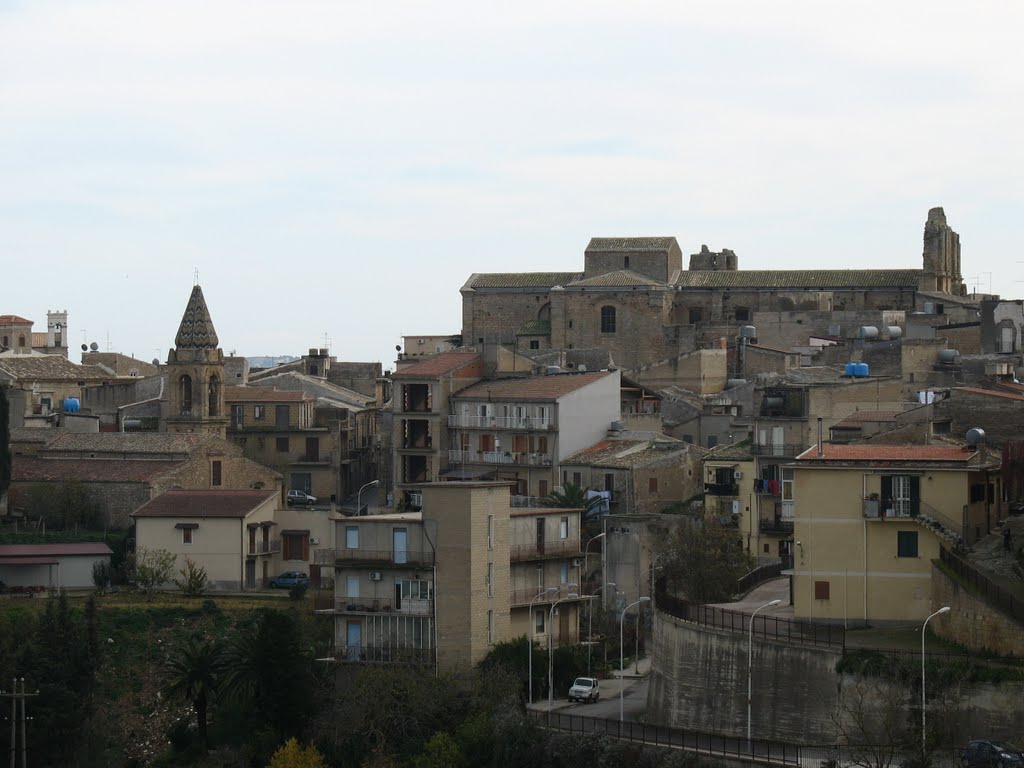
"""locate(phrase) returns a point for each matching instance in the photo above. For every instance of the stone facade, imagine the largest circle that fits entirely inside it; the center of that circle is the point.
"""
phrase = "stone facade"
(196, 372)
(971, 622)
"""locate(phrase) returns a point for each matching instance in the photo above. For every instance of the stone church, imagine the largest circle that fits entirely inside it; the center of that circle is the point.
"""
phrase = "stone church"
(635, 300)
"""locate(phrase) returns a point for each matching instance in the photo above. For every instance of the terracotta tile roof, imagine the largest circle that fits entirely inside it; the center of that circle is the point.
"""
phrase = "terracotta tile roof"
(51, 550)
(626, 454)
(766, 348)
(1012, 386)
(532, 388)
(823, 279)
(205, 503)
(733, 452)
(32, 469)
(520, 279)
(990, 393)
(622, 278)
(263, 394)
(34, 434)
(50, 368)
(870, 452)
(438, 365)
(629, 244)
(14, 320)
(156, 443)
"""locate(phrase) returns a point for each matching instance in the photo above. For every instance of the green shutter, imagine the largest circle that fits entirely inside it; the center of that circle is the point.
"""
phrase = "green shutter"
(915, 495)
(886, 493)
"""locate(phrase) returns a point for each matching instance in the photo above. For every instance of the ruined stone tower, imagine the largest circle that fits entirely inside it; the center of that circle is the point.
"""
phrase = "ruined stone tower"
(941, 256)
(196, 373)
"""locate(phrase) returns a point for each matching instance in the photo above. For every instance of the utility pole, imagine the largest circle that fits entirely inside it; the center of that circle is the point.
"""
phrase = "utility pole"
(15, 697)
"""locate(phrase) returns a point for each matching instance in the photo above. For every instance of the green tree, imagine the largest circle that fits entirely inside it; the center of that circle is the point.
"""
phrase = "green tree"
(573, 497)
(705, 561)
(192, 674)
(294, 755)
(441, 751)
(193, 581)
(151, 569)
(5, 442)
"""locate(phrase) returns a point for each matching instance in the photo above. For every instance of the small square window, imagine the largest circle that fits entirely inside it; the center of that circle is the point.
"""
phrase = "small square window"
(352, 537)
(652, 485)
(821, 590)
(534, 344)
(538, 621)
(186, 535)
(282, 444)
(906, 543)
(259, 412)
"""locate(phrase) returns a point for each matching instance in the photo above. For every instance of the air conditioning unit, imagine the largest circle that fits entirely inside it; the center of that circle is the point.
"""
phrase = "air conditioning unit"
(374, 575)
(737, 475)
(577, 562)
(314, 540)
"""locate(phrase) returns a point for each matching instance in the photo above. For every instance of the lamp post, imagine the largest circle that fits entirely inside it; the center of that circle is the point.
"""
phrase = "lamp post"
(551, 656)
(529, 632)
(750, 659)
(359, 496)
(924, 711)
(590, 620)
(622, 663)
(586, 554)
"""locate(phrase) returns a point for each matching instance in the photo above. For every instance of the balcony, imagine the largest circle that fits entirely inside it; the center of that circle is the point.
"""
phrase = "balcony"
(269, 547)
(528, 501)
(524, 597)
(369, 558)
(390, 654)
(778, 449)
(420, 442)
(500, 422)
(782, 527)
(721, 489)
(499, 457)
(548, 549)
(407, 606)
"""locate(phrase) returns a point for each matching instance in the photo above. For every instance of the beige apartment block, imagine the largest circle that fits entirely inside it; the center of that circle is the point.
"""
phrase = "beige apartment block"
(870, 518)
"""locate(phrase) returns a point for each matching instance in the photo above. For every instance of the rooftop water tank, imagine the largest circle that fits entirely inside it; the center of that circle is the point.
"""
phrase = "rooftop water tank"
(867, 332)
(850, 370)
(860, 370)
(975, 436)
(929, 307)
(72, 405)
(552, 369)
(949, 356)
(748, 332)
(730, 383)
(894, 331)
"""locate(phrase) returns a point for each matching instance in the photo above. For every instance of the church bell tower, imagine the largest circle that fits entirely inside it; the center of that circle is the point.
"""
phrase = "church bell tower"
(196, 373)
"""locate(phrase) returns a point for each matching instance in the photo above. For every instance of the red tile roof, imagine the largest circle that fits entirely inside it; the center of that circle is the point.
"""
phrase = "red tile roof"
(14, 320)
(205, 503)
(50, 550)
(263, 394)
(548, 387)
(990, 393)
(445, 362)
(31, 469)
(871, 452)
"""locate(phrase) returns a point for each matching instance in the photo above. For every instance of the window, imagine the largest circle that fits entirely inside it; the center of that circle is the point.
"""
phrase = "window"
(563, 528)
(351, 537)
(609, 482)
(295, 546)
(490, 627)
(540, 576)
(215, 473)
(21, 342)
(906, 543)
(490, 579)
(743, 314)
(185, 395)
(542, 488)
(542, 444)
(186, 535)
(901, 495)
(712, 441)
(787, 484)
(282, 444)
(213, 396)
(607, 319)
(577, 478)
(259, 412)
(415, 589)
(652, 485)
(696, 315)
(490, 531)
(821, 590)
(238, 416)
(625, 262)
(534, 344)
(538, 620)
(563, 576)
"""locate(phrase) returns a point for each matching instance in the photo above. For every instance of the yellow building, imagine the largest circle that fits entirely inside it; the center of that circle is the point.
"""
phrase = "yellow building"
(869, 519)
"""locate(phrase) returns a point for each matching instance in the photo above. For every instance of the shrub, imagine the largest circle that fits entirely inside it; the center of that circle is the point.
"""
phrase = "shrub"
(102, 573)
(193, 582)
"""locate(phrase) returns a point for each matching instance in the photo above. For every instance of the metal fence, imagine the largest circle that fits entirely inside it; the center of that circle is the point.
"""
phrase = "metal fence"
(765, 751)
(757, 576)
(770, 627)
(988, 589)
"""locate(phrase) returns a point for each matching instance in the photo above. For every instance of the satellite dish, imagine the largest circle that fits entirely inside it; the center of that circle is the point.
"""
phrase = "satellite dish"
(85, 347)
(94, 346)
(398, 347)
(975, 436)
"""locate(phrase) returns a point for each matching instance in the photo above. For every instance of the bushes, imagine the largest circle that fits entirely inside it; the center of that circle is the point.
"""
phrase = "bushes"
(193, 582)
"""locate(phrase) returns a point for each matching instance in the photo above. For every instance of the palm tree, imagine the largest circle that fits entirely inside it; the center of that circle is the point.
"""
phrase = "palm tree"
(192, 673)
(574, 497)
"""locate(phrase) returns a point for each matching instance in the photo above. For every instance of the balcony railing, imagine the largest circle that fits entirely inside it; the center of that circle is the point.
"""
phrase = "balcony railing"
(521, 597)
(384, 654)
(499, 457)
(499, 422)
(560, 548)
(528, 501)
(268, 547)
(778, 449)
(776, 526)
(407, 606)
(383, 557)
(721, 489)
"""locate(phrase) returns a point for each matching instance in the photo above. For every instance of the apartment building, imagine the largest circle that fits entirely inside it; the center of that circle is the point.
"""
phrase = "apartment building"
(870, 518)
(521, 429)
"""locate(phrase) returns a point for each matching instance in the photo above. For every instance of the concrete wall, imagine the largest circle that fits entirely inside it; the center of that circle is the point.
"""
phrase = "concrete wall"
(703, 371)
(584, 415)
(71, 572)
(972, 622)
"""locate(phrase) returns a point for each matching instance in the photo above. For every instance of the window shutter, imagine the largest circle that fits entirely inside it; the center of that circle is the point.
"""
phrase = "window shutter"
(305, 548)
(915, 495)
(886, 492)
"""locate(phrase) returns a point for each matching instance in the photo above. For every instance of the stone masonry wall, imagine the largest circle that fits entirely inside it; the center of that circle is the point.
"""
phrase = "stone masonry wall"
(971, 621)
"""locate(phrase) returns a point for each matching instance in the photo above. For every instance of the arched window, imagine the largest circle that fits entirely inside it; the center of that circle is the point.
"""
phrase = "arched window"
(185, 395)
(21, 342)
(607, 319)
(213, 400)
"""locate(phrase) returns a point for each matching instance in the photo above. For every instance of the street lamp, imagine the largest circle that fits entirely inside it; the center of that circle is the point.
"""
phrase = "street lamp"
(943, 609)
(359, 496)
(655, 566)
(750, 658)
(586, 554)
(529, 631)
(551, 656)
(590, 619)
(622, 663)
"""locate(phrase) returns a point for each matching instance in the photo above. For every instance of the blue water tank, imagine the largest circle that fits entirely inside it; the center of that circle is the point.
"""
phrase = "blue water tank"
(71, 405)
(851, 369)
(861, 370)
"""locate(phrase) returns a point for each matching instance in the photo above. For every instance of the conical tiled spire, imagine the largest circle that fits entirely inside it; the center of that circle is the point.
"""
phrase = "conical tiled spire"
(196, 330)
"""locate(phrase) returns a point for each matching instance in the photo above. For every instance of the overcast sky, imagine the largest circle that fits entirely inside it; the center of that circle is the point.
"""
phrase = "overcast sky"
(342, 168)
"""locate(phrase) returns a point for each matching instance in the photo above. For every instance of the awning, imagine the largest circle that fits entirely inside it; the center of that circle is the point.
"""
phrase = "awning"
(27, 561)
(283, 532)
(191, 526)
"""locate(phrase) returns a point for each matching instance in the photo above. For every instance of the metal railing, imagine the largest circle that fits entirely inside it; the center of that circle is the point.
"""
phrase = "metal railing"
(775, 526)
(499, 422)
(520, 597)
(763, 751)
(499, 457)
(567, 548)
(778, 449)
(765, 626)
(528, 501)
(985, 587)
(384, 654)
(408, 605)
(371, 556)
(757, 576)
(268, 547)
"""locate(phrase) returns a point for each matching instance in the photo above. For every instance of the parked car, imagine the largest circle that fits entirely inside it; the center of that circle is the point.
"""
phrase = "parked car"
(992, 754)
(585, 689)
(300, 497)
(289, 579)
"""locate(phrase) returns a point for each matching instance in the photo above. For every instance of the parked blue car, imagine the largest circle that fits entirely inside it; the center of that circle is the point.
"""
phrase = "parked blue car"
(290, 579)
